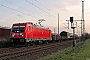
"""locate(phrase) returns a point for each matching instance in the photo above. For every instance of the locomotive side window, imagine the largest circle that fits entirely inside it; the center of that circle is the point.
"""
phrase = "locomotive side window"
(18, 28)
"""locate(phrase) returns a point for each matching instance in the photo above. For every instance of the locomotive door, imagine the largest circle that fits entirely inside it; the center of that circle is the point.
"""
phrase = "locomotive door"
(30, 32)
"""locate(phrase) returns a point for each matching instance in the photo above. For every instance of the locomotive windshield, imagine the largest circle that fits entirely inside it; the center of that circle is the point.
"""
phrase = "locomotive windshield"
(18, 28)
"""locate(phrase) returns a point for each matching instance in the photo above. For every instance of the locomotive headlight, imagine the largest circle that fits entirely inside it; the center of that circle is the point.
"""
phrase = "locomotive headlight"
(21, 34)
(13, 34)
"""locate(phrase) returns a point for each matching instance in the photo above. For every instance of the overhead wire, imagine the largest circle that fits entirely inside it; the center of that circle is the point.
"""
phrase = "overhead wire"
(43, 5)
(18, 6)
(39, 8)
(18, 11)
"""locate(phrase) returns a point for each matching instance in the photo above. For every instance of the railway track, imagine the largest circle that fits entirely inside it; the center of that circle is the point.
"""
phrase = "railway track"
(12, 53)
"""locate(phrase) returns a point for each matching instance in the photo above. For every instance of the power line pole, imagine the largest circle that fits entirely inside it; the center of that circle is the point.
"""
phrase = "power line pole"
(58, 23)
(68, 24)
(54, 30)
(81, 30)
(83, 19)
(82, 23)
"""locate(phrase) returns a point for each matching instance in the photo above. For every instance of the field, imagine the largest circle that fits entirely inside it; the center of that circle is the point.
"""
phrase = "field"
(80, 52)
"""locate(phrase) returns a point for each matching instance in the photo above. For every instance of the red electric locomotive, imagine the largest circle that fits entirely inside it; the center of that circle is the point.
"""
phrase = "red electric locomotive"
(29, 33)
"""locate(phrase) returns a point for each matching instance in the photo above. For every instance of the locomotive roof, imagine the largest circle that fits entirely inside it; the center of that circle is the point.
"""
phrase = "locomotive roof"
(25, 23)
(34, 25)
(39, 26)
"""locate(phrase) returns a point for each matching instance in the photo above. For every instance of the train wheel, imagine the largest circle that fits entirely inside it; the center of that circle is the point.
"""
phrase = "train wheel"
(37, 42)
(32, 43)
(26, 44)
(47, 42)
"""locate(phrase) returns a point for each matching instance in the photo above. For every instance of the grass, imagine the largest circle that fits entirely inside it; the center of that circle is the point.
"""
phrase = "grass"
(80, 52)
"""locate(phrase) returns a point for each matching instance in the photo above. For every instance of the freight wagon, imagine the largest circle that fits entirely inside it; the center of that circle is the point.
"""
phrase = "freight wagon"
(65, 35)
(4, 34)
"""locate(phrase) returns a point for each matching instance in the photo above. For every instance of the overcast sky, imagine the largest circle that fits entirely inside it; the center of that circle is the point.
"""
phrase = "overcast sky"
(14, 11)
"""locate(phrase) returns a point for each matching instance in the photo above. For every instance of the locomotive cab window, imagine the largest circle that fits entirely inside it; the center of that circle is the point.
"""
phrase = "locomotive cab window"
(18, 28)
